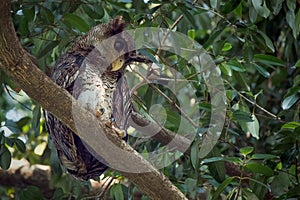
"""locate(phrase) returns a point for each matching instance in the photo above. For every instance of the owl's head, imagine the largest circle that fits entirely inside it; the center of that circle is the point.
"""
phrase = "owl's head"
(112, 43)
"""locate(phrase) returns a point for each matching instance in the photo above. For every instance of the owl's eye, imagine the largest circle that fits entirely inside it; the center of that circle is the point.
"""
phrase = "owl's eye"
(119, 45)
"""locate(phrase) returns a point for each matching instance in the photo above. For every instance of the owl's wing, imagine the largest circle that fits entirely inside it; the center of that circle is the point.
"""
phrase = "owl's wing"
(64, 74)
(122, 103)
(71, 150)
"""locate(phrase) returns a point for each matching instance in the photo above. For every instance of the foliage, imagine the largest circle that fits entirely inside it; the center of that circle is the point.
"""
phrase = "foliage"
(254, 44)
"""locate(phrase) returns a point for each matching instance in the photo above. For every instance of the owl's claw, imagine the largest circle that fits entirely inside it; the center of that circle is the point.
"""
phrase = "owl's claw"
(111, 124)
(119, 132)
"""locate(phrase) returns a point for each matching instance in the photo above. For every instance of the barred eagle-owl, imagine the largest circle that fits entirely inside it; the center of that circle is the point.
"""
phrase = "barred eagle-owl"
(93, 76)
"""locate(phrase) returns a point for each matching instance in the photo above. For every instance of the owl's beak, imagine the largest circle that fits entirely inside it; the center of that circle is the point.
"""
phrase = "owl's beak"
(120, 62)
(117, 64)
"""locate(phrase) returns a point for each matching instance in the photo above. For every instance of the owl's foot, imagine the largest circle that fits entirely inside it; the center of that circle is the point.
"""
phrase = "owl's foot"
(121, 133)
(111, 124)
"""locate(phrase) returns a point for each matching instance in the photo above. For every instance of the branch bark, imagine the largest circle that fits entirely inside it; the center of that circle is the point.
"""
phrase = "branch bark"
(22, 174)
(164, 136)
(20, 67)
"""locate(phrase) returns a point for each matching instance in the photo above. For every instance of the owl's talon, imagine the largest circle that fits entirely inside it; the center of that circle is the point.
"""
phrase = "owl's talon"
(121, 133)
(108, 124)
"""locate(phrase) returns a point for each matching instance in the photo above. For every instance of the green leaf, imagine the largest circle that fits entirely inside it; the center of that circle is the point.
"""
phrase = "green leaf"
(10, 141)
(296, 29)
(212, 159)
(222, 187)
(214, 3)
(252, 14)
(22, 122)
(261, 70)
(290, 125)
(259, 156)
(217, 169)
(187, 14)
(144, 52)
(268, 41)
(236, 65)
(293, 192)
(246, 150)
(268, 60)
(12, 126)
(32, 193)
(94, 12)
(205, 106)
(212, 38)
(240, 78)
(194, 155)
(29, 13)
(253, 127)
(59, 194)
(191, 33)
(76, 22)
(20, 145)
(261, 169)
(248, 50)
(276, 6)
(5, 157)
(242, 116)
(297, 64)
(191, 185)
(217, 159)
(225, 69)
(2, 138)
(47, 15)
(261, 8)
(290, 18)
(230, 6)
(23, 27)
(289, 101)
(291, 4)
(36, 119)
(116, 192)
(280, 184)
(227, 46)
(47, 49)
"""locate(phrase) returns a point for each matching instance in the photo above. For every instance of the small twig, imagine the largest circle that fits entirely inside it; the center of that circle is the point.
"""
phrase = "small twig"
(253, 103)
(172, 27)
(216, 13)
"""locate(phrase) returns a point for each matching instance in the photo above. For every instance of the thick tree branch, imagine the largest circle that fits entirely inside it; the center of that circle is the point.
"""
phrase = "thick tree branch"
(164, 136)
(21, 175)
(19, 66)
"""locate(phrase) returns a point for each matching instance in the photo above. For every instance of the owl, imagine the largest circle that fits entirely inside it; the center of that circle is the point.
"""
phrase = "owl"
(92, 72)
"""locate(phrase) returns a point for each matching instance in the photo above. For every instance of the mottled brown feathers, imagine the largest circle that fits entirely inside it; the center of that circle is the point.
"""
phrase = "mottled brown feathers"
(99, 33)
(85, 69)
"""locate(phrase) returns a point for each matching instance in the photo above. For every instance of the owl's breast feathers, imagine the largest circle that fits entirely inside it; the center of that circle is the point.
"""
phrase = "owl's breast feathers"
(83, 71)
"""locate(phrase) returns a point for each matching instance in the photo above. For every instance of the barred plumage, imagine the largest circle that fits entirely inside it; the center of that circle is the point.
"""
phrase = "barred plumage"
(86, 73)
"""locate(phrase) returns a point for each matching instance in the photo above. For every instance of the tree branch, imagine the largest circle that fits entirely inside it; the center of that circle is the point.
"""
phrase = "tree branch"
(19, 66)
(21, 175)
(164, 136)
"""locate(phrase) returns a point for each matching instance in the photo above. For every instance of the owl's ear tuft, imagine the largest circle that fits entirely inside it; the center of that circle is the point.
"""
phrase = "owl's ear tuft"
(117, 25)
